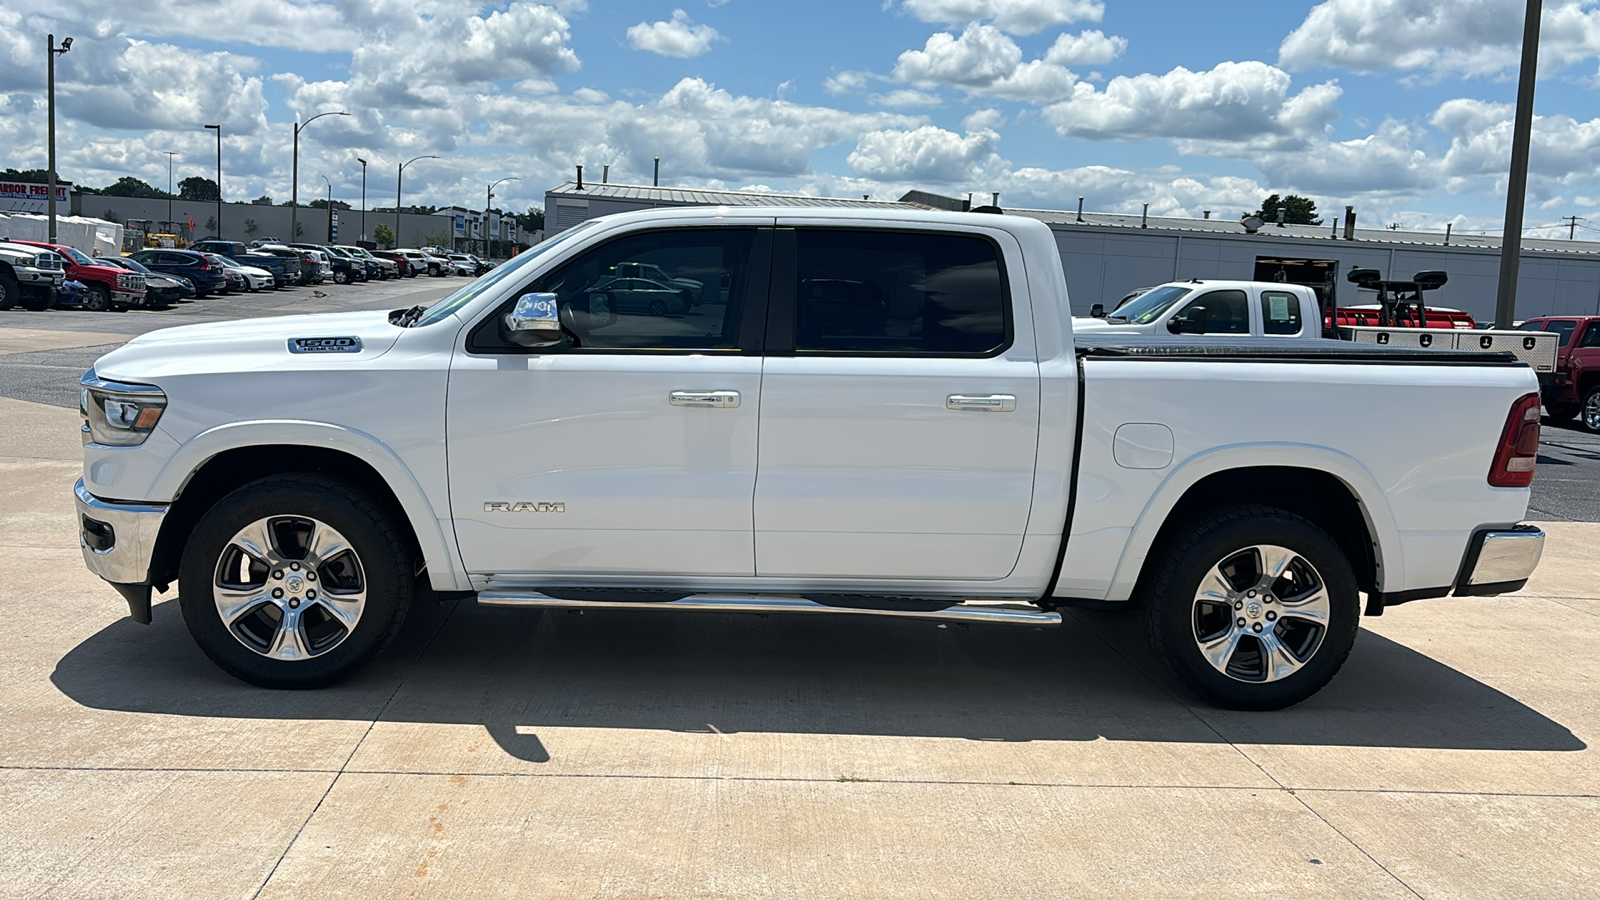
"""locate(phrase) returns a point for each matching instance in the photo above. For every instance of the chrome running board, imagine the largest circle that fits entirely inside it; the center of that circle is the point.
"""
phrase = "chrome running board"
(978, 612)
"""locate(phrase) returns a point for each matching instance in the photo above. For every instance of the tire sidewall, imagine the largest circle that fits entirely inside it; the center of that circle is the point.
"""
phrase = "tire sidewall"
(1590, 396)
(328, 500)
(1171, 611)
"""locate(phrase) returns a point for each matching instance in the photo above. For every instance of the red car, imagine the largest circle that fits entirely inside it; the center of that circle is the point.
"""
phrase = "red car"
(1574, 388)
(109, 286)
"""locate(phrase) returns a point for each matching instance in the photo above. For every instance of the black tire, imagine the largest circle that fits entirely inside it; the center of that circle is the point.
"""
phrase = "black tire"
(8, 289)
(341, 277)
(658, 307)
(1179, 617)
(37, 300)
(1561, 412)
(98, 299)
(383, 567)
(1589, 412)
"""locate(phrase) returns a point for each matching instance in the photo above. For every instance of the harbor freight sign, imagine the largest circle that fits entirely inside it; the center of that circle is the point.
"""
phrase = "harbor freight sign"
(32, 197)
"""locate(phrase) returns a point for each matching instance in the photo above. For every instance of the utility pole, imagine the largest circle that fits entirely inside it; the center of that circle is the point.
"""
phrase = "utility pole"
(170, 154)
(487, 202)
(218, 129)
(1505, 306)
(363, 197)
(1572, 226)
(294, 176)
(330, 207)
(50, 56)
(399, 182)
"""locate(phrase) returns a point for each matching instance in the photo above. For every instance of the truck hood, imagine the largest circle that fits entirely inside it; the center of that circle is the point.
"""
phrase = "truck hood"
(1084, 324)
(252, 345)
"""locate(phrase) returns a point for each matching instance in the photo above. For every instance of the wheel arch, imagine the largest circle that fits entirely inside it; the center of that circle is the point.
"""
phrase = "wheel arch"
(1329, 488)
(222, 463)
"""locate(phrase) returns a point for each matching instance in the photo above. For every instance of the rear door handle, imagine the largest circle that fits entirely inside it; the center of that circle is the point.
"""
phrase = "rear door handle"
(705, 399)
(982, 402)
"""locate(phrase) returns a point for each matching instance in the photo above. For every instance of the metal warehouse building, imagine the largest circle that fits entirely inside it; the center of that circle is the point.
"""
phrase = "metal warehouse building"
(1107, 255)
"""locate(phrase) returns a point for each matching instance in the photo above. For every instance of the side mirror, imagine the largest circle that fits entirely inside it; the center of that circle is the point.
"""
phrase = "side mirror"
(534, 321)
(1097, 311)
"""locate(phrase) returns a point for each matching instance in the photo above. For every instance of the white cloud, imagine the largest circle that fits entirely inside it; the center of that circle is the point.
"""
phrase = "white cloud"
(845, 82)
(1246, 104)
(1562, 149)
(982, 60)
(925, 154)
(1464, 37)
(905, 98)
(1091, 48)
(1015, 16)
(678, 37)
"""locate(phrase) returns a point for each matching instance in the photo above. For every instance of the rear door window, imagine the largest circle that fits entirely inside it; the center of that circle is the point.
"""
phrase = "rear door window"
(1280, 312)
(886, 293)
(1563, 328)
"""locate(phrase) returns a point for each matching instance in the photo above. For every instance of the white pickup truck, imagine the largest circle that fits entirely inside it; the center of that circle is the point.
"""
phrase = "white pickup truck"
(1231, 308)
(871, 413)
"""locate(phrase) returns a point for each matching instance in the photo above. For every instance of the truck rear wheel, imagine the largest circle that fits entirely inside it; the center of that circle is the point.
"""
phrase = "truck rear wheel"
(1252, 607)
(294, 581)
(1590, 416)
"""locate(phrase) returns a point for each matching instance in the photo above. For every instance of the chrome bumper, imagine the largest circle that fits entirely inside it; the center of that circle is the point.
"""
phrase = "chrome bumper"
(118, 539)
(1501, 561)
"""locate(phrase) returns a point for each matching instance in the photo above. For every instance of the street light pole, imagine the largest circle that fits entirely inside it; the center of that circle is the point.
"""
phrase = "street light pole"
(399, 181)
(218, 128)
(363, 197)
(486, 203)
(170, 154)
(1505, 305)
(50, 56)
(294, 176)
(330, 207)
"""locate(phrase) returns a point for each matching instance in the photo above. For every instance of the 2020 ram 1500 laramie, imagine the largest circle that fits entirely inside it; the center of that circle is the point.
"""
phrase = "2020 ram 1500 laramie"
(869, 413)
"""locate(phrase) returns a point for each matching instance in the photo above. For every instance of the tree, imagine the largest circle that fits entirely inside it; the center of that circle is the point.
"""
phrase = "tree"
(530, 221)
(211, 224)
(128, 186)
(197, 188)
(250, 227)
(383, 235)
(110, 215)
(35, 175)
(323, 204)
(1297, 210)
(262, 200)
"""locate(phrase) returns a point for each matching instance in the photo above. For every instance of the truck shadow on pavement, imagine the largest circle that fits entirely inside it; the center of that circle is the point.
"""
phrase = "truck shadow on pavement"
(515, 672)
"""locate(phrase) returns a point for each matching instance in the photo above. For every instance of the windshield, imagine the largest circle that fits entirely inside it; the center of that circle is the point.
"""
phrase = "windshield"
(125, 264)
(448, 306)
(1149, 306)
(78, 256)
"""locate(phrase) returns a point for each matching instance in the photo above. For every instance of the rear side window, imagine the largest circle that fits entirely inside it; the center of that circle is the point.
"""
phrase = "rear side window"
(1280, 312)
(1220, 312)
(899, 294)
(1564, 329)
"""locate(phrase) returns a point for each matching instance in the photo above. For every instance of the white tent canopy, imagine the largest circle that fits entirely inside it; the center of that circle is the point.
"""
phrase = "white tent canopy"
(96, 237)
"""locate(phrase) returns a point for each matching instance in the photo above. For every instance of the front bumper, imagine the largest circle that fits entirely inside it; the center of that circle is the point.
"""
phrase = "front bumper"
(118, 541)
(1500, 561)
(128, 298)
(32, 275)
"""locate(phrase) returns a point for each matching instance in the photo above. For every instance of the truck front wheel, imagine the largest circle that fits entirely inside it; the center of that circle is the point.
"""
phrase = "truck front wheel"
(1591, 410)
(1252, 607)
(294, 581)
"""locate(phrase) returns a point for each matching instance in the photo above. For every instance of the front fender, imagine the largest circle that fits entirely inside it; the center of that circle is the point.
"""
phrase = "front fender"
(1360, 482)
(439, 550)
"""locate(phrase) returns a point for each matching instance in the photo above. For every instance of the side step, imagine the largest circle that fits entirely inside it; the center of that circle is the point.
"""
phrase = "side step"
(979, 612)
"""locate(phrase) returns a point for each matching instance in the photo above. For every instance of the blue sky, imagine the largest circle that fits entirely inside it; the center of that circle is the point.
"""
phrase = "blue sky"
(1401, 108)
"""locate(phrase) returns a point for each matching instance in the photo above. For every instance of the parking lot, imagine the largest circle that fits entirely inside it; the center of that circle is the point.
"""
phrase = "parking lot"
(499, 753)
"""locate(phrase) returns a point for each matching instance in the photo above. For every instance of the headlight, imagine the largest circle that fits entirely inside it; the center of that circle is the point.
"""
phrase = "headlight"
(119, 415)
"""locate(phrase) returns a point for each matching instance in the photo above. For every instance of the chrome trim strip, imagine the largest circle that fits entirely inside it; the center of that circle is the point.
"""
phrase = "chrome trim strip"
(135, 527)
(1009, 614)
(1507, 556)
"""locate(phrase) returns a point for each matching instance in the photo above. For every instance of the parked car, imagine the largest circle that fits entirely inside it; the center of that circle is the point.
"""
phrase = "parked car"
(377, 267)
(654, 272)
(160, 291)
(111, 288)
(252, 278)
(323, 260)
(641, 295)
(404, 266)
(208, 278)
(265, 241)
(342, 269)
(508, 442)
(279, 267)
(29, 275)
(70, 295)
(423, 262)
(462, 264)
(300, 268)
(1574, 388)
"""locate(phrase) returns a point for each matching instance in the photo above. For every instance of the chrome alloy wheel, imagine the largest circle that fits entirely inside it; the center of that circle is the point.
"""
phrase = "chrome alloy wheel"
(289, 587)
(1260, 614)
(1591, 411)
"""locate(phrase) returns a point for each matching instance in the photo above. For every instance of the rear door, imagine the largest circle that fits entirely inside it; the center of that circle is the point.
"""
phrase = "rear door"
(899, 406)
(1279, 314)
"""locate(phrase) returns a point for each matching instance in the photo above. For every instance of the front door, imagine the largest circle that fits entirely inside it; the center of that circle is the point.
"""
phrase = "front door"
(899, 407)
(631, 447)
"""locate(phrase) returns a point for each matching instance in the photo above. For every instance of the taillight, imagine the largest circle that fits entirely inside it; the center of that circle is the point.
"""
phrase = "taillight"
(205, 265)
(1518, 451)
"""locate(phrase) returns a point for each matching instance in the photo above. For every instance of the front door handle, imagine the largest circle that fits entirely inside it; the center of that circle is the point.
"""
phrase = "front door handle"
(982, 402)
(705, 399)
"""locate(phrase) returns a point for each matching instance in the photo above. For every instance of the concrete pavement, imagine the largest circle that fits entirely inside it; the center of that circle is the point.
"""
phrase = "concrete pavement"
(497, 753)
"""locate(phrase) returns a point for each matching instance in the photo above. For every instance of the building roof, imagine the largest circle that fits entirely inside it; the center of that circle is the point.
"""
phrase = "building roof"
(1323, 232)
(674, 196)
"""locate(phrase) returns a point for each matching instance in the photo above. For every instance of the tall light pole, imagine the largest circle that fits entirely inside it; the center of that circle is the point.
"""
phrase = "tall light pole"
(170, 154)
(218, 128)
(363, 197)
(294, 176)
(486, 203)
(399, 180)
(330, 206)
(50, 56)
(1505, 304)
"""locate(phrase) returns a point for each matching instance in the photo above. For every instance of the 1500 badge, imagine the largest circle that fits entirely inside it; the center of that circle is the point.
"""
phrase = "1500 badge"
(325, 345)
(523, 506)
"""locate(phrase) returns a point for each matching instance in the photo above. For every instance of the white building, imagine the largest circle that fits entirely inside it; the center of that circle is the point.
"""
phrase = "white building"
(468, 229)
